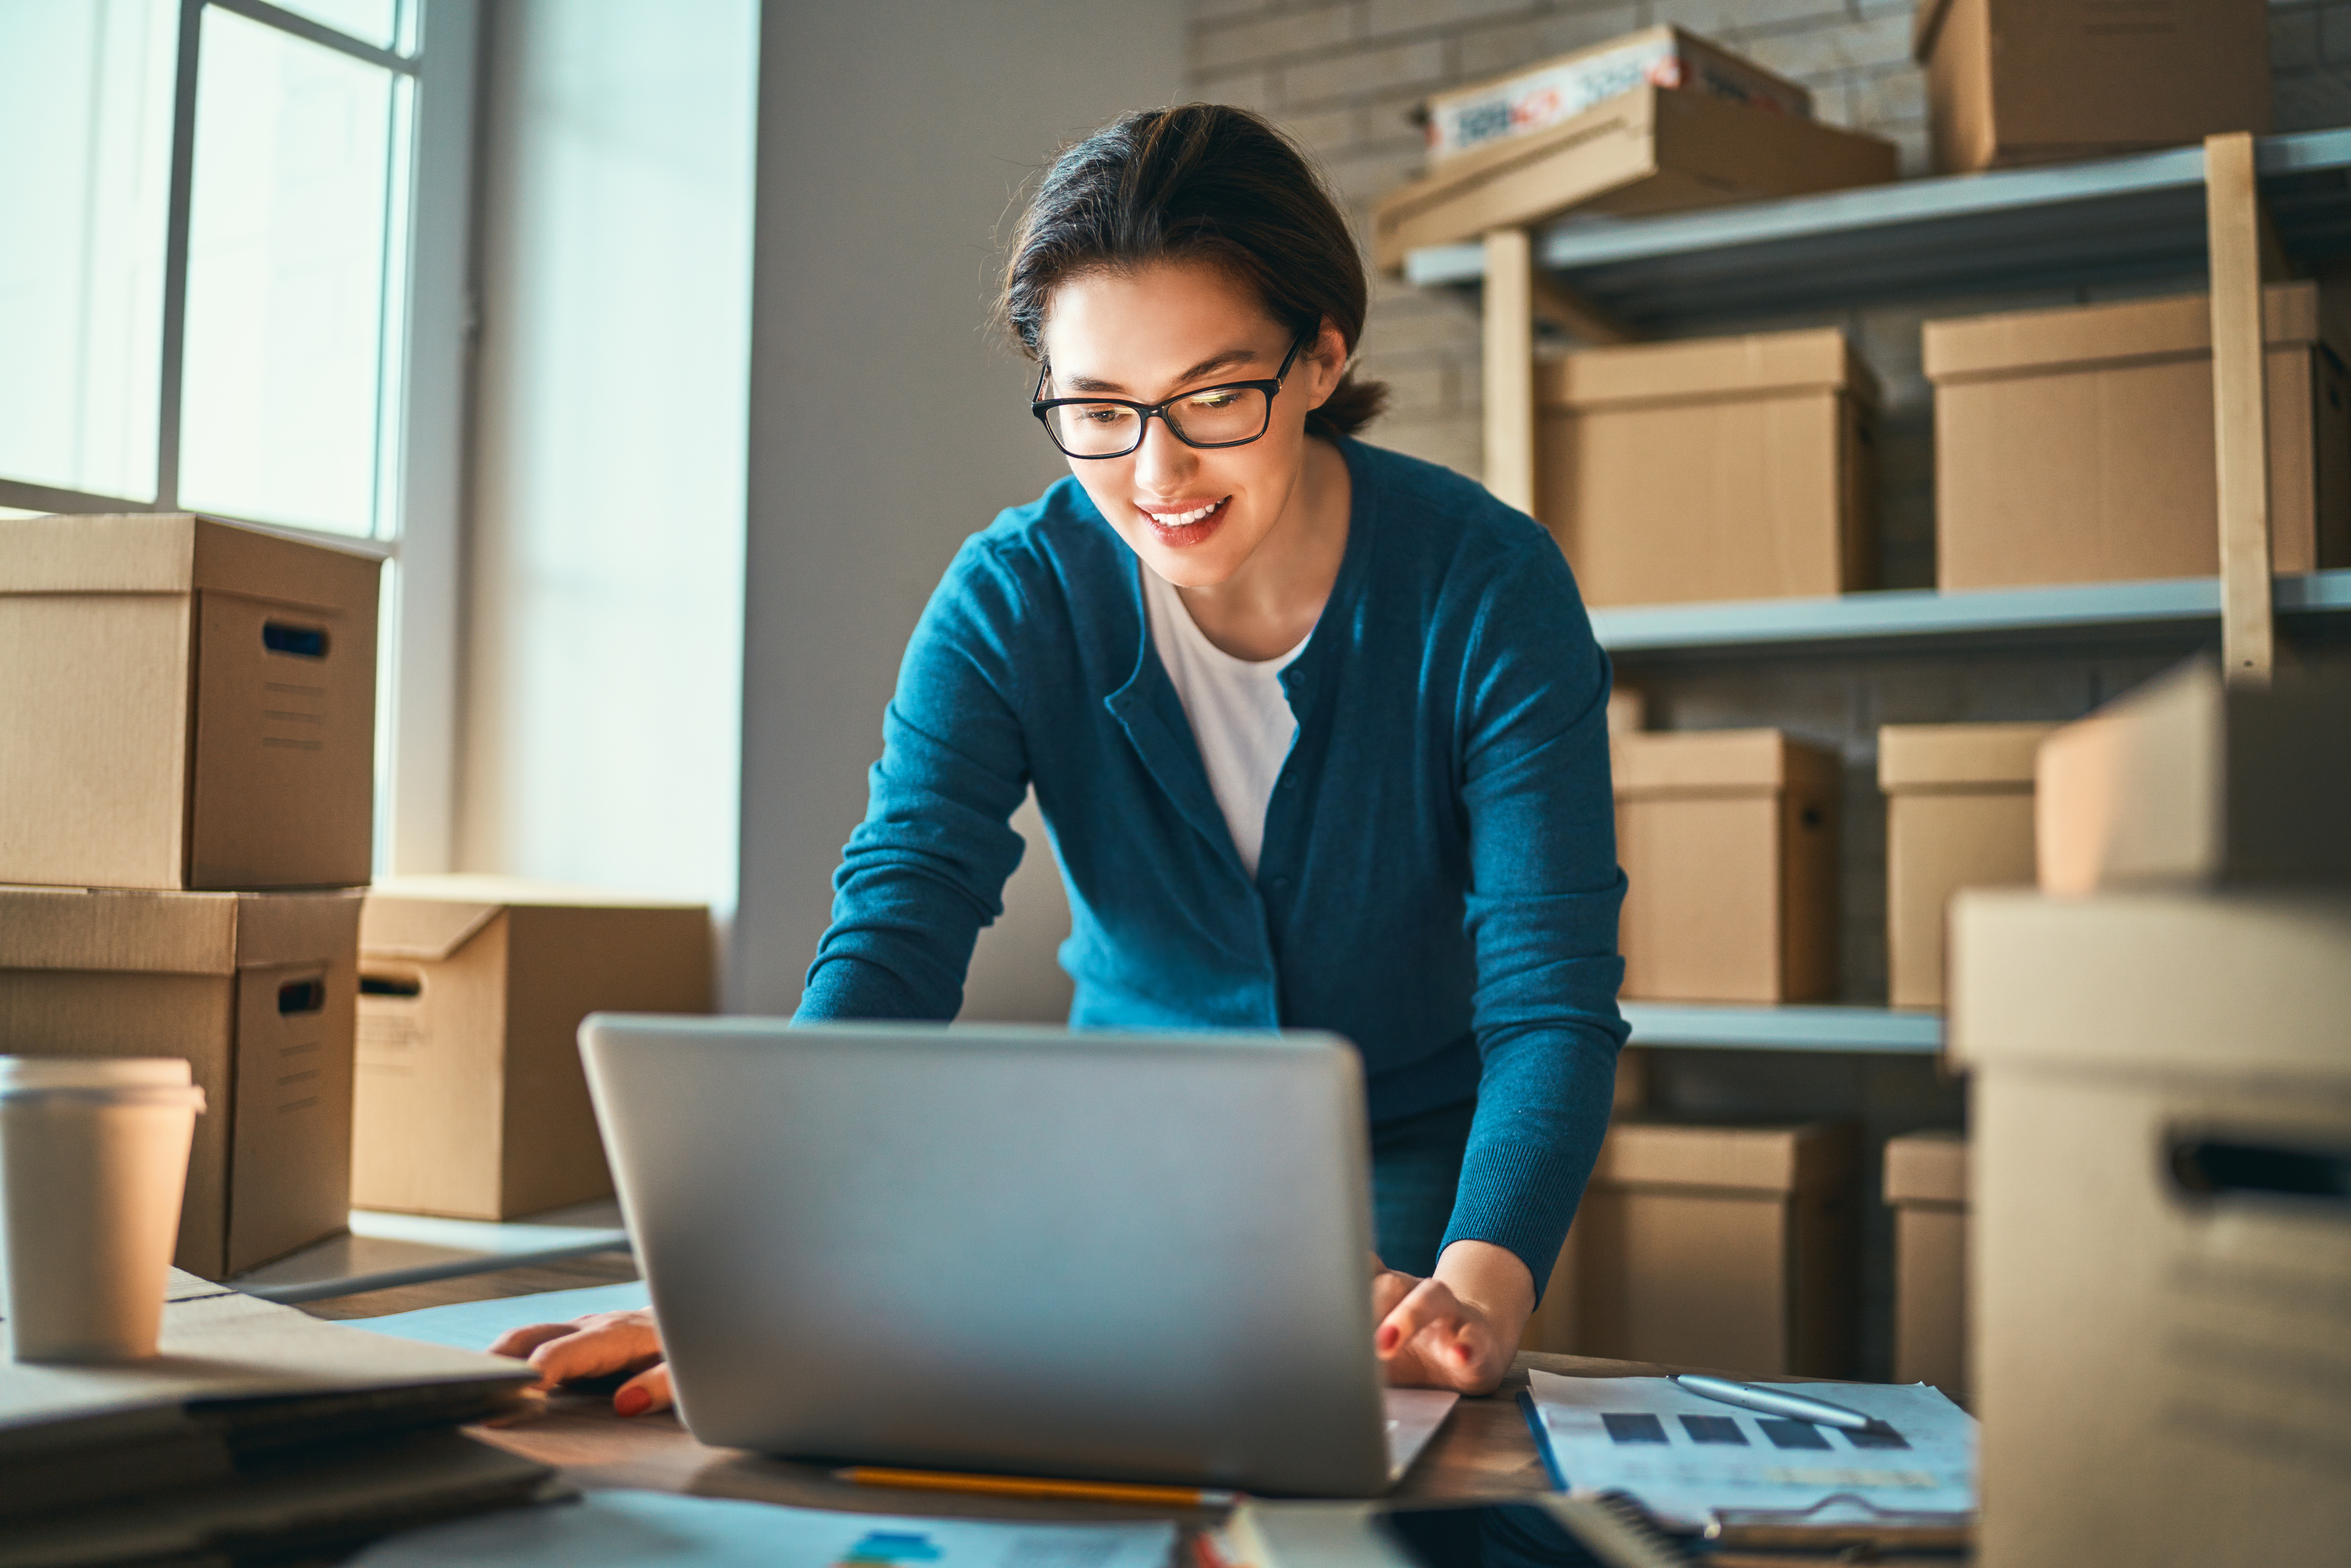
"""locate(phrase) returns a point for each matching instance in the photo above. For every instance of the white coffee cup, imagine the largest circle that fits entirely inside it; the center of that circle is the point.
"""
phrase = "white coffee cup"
(93, 1164)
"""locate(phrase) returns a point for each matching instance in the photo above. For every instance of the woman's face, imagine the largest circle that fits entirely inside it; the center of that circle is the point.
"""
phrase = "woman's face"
(1196, 517)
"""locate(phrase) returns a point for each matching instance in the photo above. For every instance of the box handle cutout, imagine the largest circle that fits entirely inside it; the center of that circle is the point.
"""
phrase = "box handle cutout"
(2224, 1167)
(301, 996)
(302, 641)
(390, 986)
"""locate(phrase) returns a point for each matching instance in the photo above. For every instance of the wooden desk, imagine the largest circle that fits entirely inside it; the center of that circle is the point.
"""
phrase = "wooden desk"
(1484, 1449)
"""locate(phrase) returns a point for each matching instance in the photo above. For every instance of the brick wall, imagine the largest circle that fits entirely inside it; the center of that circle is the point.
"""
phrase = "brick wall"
(1341, 76)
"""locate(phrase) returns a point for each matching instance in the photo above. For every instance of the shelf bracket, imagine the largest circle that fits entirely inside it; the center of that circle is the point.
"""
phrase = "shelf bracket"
(2241, 240)
(1510, 367)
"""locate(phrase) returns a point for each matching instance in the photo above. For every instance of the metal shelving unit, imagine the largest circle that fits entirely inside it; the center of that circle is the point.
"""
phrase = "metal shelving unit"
(1909, 620)
(1792, 1028)
(2110, 220)
(2235, 210)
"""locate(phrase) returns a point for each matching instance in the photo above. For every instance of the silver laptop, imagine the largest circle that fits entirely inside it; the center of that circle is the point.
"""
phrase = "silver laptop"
(1127, 1257)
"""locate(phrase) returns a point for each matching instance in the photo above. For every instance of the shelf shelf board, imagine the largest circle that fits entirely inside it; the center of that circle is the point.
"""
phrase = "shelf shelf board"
(1709, 1025)
(1912, 617)
(2110, 220)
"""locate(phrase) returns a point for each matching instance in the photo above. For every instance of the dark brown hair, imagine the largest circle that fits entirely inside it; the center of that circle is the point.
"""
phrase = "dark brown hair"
(1204, 182)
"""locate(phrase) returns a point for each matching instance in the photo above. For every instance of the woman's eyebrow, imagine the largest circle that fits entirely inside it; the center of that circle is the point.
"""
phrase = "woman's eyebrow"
(1230, 358)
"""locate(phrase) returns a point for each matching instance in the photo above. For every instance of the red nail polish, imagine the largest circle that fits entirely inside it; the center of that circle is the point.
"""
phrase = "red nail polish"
(630, 1401)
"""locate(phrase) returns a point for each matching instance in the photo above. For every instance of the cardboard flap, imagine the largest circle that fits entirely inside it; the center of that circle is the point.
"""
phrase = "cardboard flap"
(1757, 364)
(98, 929)
(1958, 756)
(1779, 1161)
(297, 927)
(1745, 760)
(424, 929)
(1926, 1167)
(2086, 337)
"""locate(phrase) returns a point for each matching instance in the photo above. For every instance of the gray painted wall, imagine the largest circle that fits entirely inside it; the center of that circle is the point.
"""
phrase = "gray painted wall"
(893, 137)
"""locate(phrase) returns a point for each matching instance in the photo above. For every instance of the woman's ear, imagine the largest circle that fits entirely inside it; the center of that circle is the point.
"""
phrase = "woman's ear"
(1329, 358)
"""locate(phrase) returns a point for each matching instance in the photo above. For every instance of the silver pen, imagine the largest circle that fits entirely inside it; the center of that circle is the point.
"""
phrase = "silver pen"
(1773, 1402)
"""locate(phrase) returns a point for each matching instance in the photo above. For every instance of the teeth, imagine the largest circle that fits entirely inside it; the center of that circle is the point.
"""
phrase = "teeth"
(1178, 520)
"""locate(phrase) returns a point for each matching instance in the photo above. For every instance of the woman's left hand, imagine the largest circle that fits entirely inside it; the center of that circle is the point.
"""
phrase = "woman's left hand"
(1457, 1328)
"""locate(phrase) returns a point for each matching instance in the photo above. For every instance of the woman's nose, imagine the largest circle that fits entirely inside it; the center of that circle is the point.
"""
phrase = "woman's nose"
(1162, 460)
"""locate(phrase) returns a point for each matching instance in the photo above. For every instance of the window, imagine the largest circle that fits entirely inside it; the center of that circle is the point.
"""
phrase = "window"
(203, 295)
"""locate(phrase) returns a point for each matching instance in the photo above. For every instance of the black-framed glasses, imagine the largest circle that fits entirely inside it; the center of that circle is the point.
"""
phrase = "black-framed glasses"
(1233, 414)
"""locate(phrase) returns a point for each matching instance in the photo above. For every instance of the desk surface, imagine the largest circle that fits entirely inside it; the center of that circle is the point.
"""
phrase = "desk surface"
(1484, 1449)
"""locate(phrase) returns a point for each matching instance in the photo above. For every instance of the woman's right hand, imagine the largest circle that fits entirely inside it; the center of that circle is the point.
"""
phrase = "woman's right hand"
(598, 1345)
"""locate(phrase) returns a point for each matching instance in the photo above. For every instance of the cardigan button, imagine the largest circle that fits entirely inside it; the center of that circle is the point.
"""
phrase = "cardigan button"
(1281, 884)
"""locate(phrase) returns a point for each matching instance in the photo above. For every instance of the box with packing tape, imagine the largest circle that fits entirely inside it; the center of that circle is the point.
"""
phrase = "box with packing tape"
(471, 1101)
(2076, 445)
(257, 990)
(1713, 468)
(1535, 98)
(2160, 1117)
(187, 703)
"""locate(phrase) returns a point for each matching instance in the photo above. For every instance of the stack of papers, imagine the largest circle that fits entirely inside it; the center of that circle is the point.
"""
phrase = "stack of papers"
(1690, 1461)
(258, 1431)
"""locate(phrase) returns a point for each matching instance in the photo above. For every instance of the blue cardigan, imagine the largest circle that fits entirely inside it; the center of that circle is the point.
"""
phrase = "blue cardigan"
(1438, 881)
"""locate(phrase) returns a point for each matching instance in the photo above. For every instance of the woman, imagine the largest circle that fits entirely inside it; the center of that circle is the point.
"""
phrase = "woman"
(1319, 731)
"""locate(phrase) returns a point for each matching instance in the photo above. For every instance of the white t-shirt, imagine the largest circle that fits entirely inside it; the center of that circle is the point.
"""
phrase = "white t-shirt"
(1239, 714)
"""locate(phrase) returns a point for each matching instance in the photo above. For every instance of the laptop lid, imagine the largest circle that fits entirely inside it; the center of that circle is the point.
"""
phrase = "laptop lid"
(1134, 1256)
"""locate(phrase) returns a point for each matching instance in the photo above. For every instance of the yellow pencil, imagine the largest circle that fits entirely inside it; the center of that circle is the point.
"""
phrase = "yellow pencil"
(1135, 1492)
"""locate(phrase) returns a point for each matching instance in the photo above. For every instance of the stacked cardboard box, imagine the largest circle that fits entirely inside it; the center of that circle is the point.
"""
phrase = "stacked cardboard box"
(2032, 81)
(1728, 842)
(1730, 1246)
(2076, 445)
(1687, 124)
(1958, 813)
(1927, 1185)
(1714, 468)
(2161, 1117)
(187, 728)
(471, 1101)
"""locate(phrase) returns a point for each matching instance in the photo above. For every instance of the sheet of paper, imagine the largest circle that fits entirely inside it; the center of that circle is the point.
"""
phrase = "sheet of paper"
(475, 1325)
(656, 1529)
(1686, 1458)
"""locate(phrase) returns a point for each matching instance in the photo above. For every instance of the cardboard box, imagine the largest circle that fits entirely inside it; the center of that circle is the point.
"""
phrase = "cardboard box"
(2038, 81)
(2190, 781)
(1958, 813)
(1728, 842)
(1652, 150)
(2161, 1118)
(185, 703)
(471, 1101)
(2076, 445)
(1717, 468)
(1723, 1247)
(1927, 1185)
(1537, 97)
(257, 990)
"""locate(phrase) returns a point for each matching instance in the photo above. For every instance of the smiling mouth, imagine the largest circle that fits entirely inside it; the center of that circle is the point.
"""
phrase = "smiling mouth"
(1187, 528)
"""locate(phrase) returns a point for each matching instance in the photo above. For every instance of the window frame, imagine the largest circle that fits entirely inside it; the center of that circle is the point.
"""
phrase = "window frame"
(422, 440)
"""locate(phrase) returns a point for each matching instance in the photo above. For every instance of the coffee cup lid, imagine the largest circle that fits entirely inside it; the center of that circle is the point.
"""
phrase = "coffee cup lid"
(94, 1072)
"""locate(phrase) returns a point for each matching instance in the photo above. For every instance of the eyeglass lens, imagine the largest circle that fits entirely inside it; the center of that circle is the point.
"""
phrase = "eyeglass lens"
(1208, 418)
